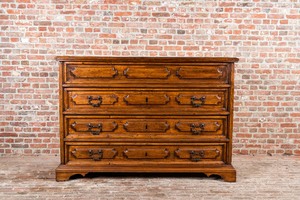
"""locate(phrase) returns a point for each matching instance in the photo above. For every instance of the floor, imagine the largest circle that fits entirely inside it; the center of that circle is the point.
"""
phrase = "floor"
(258, 177)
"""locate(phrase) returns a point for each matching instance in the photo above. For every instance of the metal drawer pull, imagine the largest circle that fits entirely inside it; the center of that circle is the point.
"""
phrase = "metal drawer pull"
(200, 101)
(197, 129)
(96, 155)
(98, 98)
(95, 132)
(196, 156)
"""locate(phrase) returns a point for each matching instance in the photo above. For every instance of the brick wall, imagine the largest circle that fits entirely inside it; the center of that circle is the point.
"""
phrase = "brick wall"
(264, 34)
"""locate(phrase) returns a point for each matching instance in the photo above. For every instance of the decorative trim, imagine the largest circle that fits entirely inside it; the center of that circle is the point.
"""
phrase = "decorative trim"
(145, 126)
(126, 73)
(126, 98)
(74, 72)
(146, 153)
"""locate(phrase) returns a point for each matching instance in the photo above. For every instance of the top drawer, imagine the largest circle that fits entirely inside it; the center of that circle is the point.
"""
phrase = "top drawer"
(145, 75)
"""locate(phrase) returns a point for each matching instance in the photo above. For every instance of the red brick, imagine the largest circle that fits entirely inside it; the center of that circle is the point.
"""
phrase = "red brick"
(107, 35)
(153, 48)
(260, 16)
(260, 34)
(123, 13)
(227, 4)
(161, 14)
(293, 16)
(284, 125)
(172, 48)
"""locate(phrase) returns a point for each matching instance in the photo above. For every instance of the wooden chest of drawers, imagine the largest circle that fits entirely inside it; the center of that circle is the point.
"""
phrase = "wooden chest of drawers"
(146, 115)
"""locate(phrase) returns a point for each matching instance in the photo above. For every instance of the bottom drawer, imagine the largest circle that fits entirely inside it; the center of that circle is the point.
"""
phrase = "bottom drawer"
(128, 154)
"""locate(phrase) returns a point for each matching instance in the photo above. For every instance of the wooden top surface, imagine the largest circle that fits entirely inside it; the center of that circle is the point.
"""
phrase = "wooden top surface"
(147, 59)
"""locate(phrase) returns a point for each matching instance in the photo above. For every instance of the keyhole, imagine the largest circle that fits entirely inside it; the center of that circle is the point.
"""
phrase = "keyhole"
(146, 154)
(147, 100)
(146, 126)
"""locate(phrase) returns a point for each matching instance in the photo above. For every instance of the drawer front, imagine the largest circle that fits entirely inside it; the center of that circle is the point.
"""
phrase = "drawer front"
(121, 153)
(145, 128)
(107, 74)
(145, 102)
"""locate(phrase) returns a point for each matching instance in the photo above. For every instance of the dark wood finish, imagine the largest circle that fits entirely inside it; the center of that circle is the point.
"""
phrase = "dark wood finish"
(162, 115)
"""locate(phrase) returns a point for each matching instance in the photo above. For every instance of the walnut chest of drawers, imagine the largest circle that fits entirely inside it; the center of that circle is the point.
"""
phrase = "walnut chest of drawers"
(161, 115)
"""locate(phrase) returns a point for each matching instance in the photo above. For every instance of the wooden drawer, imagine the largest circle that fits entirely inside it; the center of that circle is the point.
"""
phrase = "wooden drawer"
(146, 102)
(100, 75)
(113, 154)
(89, 127)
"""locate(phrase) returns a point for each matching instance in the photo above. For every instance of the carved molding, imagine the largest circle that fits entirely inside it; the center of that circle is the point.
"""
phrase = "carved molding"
(138, 126)
(91, 153)
(198, 100)
(204, 126)
(88, 127)
(200, 72)
(146, 99)
(146, 153)
(93, 72)
(147, 73)
(197, 154)
(94, 101)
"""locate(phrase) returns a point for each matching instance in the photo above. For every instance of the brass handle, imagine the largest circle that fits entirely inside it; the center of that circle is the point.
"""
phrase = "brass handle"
(91, 99)
(96, 155)
(95, 132)
(197, 102)
(197, 129)
(196, 156)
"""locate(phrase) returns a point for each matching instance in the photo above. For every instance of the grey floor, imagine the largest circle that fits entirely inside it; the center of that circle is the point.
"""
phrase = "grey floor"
(258, 177)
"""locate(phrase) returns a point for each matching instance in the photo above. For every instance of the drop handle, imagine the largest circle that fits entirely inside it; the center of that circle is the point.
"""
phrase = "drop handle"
(96, 155)
(92, 99)
(98, 127)
(196, 156)
(197, 129)
(197, 102)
